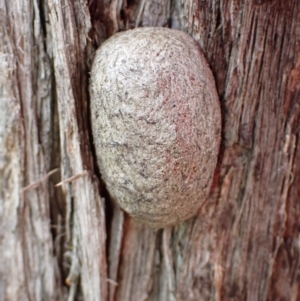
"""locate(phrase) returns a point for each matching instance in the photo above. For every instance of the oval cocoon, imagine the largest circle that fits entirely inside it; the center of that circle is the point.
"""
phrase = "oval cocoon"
(156, 123)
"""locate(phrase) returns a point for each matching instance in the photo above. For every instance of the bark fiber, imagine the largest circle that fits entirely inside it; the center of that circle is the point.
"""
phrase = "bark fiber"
(62, 238)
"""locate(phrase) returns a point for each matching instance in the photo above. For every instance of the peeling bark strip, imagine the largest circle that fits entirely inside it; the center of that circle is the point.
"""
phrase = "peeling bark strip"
(27, 265)
(69, 29)
(27, 125)
(244, 244)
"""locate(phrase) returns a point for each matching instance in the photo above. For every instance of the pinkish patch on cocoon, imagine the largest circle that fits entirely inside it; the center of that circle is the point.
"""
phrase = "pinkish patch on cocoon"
(156, 123)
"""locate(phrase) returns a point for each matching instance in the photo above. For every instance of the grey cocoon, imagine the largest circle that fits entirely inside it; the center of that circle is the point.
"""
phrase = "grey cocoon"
(156, 123)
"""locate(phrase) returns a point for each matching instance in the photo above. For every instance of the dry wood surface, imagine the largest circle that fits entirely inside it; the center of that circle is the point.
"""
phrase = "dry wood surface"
(70, 241)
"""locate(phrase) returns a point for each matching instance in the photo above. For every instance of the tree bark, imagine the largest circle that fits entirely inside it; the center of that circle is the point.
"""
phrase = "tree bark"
(62, 237)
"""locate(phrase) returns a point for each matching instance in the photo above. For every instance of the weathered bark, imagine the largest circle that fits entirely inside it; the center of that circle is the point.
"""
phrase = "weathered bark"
(62, 243)
(28, 267)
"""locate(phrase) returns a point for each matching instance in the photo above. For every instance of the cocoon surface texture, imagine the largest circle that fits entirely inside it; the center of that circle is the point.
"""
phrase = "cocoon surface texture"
(156, 123)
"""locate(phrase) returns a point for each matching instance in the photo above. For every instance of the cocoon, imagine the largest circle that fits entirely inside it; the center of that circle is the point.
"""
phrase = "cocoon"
(156, 123)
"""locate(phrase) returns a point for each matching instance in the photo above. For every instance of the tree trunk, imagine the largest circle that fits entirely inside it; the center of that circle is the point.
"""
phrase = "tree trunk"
(62, 238)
